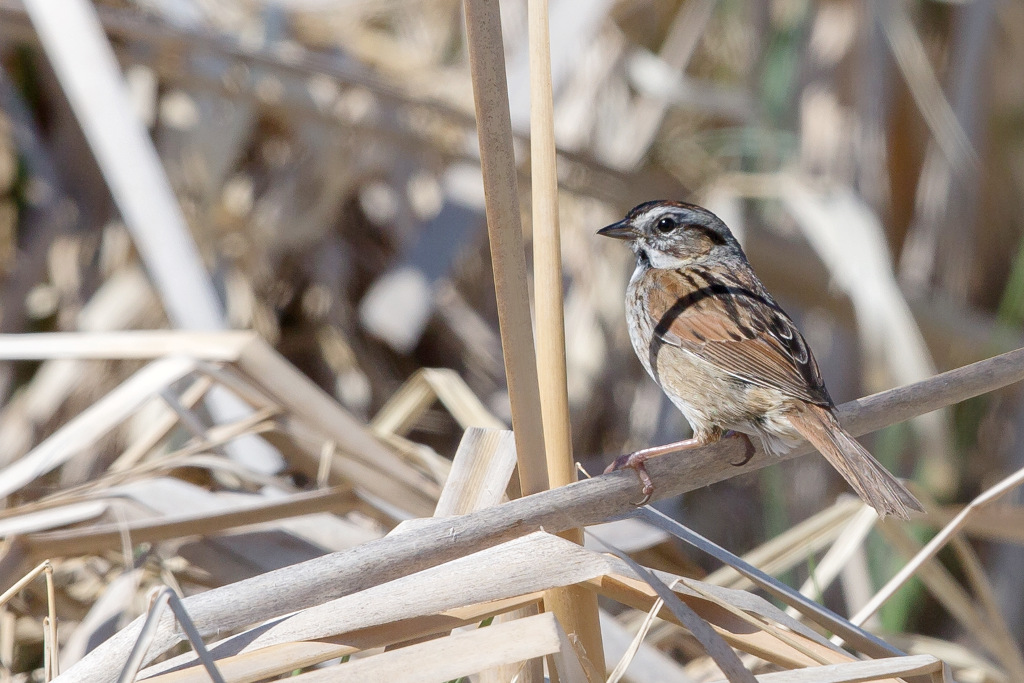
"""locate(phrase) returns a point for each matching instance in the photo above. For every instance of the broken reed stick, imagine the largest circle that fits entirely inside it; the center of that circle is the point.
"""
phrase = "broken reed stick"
(575, 606)
(586, 502)
(505, 233)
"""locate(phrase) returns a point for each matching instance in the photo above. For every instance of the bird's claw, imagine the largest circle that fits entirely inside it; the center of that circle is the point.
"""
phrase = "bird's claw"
(748, 450)
(635, 462)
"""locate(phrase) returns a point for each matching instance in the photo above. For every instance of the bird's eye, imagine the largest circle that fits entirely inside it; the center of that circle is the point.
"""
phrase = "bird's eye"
(666, 225)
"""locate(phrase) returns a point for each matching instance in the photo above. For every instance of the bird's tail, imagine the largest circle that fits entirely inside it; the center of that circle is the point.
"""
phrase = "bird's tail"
(867, 476)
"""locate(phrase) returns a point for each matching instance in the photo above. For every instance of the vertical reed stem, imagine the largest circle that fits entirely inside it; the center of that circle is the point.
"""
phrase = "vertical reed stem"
(547, 256)
(504, 228)
(574, 606)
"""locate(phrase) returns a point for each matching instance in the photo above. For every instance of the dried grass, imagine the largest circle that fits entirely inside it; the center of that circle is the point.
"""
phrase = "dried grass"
(334, 492)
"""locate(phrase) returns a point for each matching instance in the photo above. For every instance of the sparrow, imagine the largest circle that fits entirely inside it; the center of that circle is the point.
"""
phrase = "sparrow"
(727, 355)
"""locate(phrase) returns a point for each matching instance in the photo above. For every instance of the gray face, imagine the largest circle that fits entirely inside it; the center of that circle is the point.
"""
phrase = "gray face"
(673, 234)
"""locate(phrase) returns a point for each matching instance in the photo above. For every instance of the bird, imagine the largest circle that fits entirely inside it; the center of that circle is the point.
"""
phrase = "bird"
(726, 354)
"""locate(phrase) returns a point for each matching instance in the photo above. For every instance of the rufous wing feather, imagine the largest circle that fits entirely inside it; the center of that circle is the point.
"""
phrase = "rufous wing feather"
(867, 476)
(729, 320)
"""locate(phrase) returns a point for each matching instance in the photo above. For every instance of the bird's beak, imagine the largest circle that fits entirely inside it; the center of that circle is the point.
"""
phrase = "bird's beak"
(623, 230)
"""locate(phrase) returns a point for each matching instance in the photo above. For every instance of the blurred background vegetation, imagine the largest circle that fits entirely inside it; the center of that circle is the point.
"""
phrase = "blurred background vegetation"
(869, 155)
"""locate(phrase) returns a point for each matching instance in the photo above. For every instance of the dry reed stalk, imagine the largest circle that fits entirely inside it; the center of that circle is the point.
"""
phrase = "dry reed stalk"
(44, 568)
(711, 641)
(258, 374)
(792, 546)
(91, 78)
(959, 603)
(277, 660)
(69, 542)
(989, 604)
(481, 471)
(85, 64)
(575, 607)
(439, 540)
(857, 672)
(938, 542)
(53, 651)
(463, 653)
(158, 600)
(547, 255)
(504, 228)
(50, 644)
(538, 560)
(849, 542)
(427, 386)
(795, 647)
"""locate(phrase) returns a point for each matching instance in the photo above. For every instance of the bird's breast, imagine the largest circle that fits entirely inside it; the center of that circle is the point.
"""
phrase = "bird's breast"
(709, 396)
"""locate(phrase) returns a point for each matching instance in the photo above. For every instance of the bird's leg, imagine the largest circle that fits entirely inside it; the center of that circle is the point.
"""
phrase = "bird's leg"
(748, 449)
(636, 460)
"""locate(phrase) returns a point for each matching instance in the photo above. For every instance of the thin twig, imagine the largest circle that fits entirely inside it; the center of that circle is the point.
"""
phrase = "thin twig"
(53, 651)
(48, 646)
(44, 566)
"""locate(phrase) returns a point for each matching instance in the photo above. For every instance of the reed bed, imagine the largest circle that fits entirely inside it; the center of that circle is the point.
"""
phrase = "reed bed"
(305, 330)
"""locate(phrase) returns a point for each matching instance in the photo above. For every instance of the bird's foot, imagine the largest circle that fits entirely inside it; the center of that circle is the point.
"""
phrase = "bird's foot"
(748, 448)
(636, 460)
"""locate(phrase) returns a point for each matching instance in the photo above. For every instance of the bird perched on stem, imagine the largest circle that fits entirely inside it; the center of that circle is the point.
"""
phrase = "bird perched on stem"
(726, 354)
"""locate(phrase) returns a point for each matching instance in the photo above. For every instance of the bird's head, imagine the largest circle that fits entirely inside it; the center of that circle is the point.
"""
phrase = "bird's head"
(669, 234)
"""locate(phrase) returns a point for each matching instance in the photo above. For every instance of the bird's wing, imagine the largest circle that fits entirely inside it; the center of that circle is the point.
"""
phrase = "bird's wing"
(731, 321)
